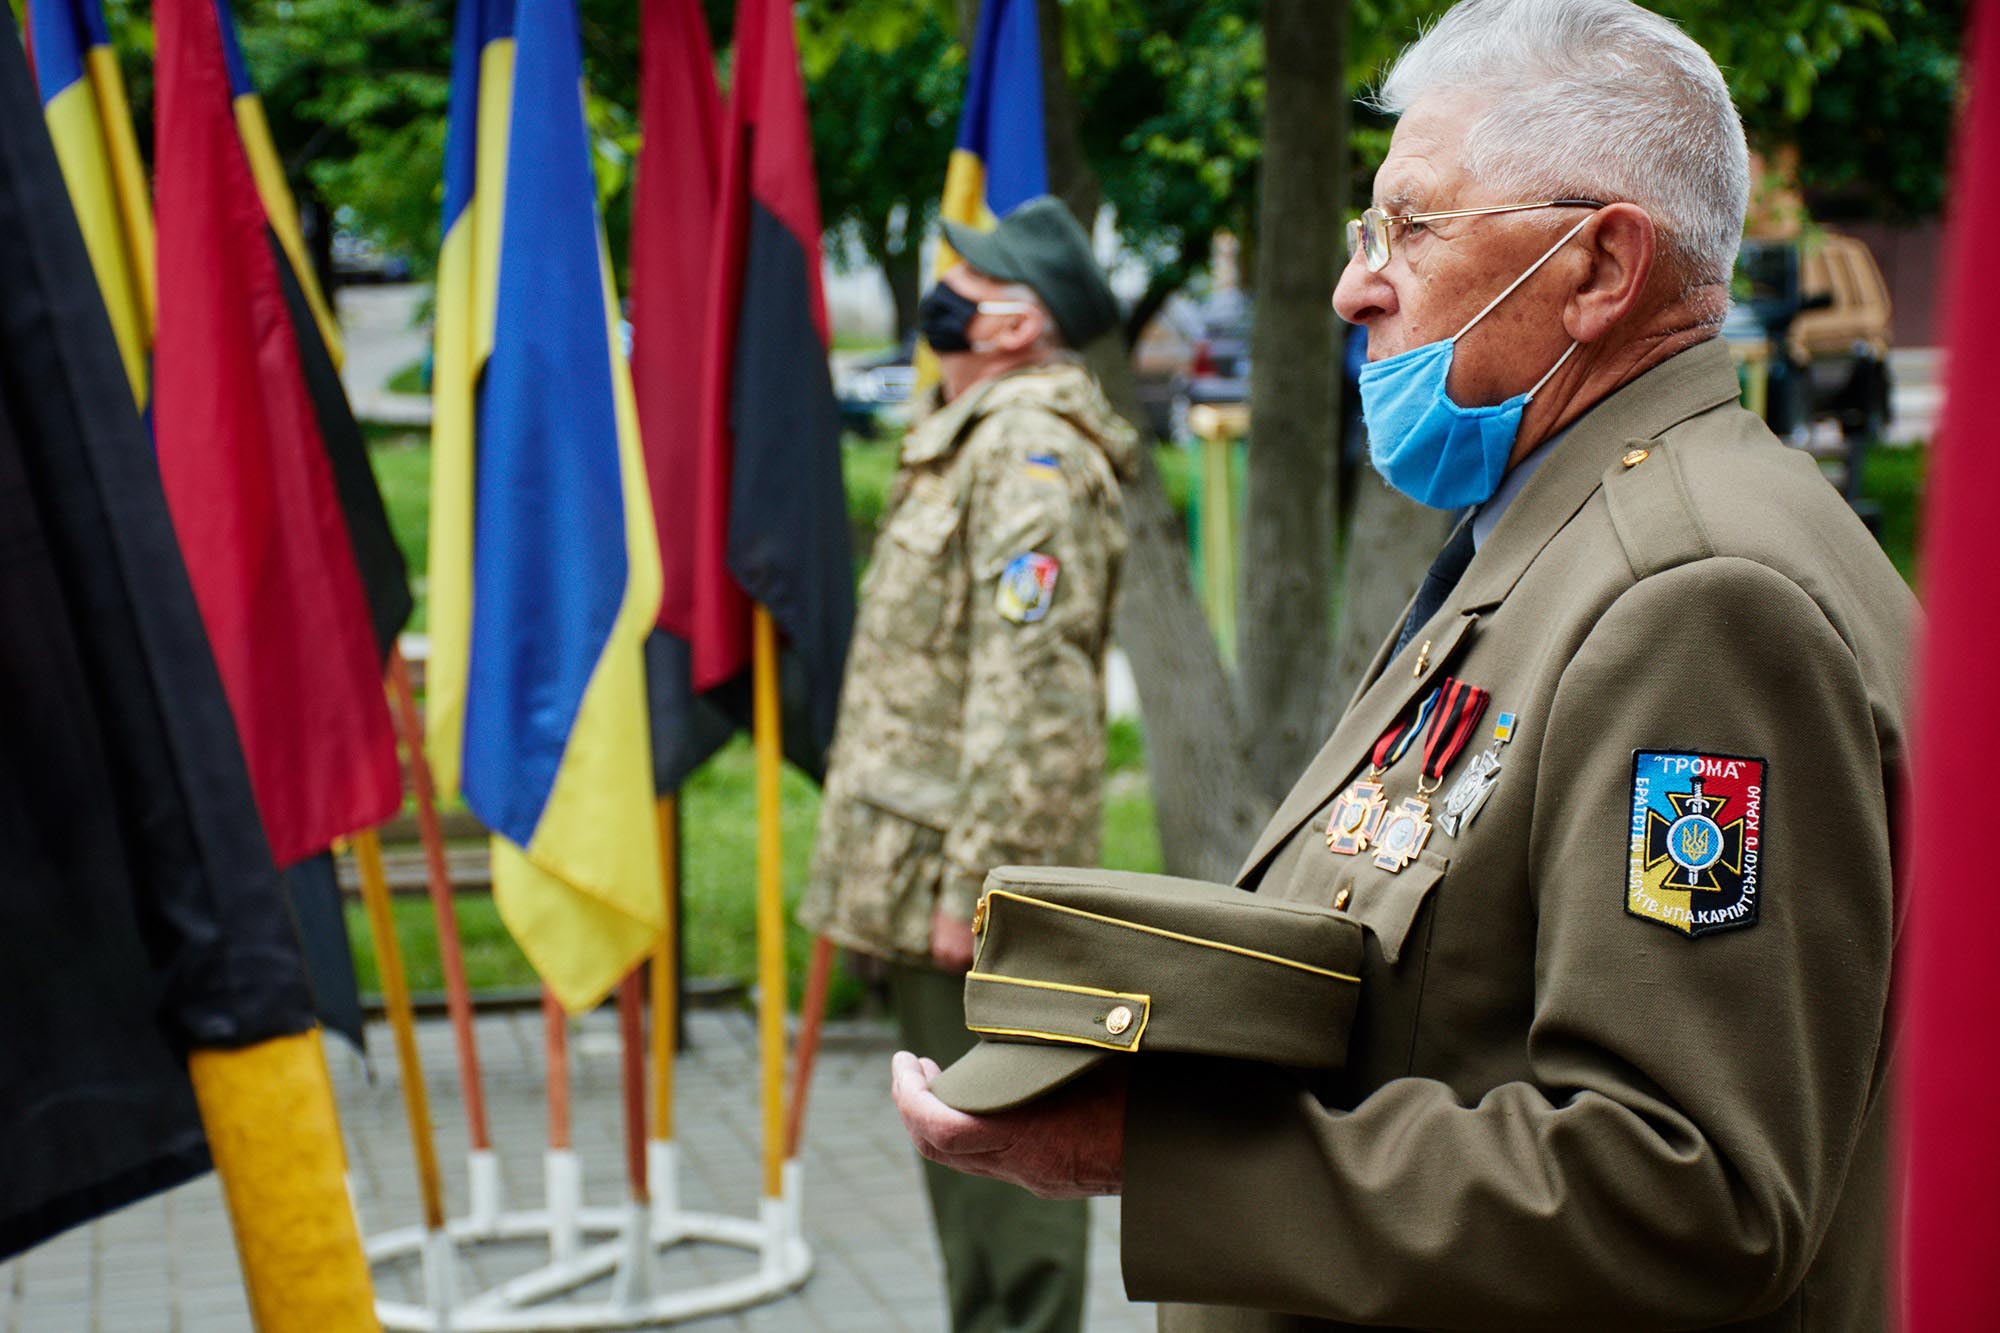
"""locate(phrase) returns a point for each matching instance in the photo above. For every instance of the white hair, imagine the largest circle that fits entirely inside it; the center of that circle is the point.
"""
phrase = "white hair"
(1593, 99)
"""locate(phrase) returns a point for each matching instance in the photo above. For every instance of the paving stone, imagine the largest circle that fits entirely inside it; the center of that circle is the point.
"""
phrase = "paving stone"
(170, 1263)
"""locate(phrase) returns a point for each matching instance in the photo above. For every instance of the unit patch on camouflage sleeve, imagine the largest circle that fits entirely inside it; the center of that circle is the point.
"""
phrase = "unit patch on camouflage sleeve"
(1694, 859)
(1027, 587)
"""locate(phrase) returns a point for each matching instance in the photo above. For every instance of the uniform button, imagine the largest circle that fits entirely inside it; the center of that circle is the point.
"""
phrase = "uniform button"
(1634, 457)
(1118, 1020)
(1340, 901)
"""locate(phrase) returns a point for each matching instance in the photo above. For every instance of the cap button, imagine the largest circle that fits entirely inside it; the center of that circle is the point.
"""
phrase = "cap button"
(1118, 1020)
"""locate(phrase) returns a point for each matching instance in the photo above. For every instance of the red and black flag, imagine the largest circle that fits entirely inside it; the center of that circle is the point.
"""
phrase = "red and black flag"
(674, 191)
(1948, 987)
(283, 532)
(140, 915)
(767, 509)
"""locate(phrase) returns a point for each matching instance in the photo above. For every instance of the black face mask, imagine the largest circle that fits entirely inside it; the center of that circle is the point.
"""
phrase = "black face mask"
(943, 317)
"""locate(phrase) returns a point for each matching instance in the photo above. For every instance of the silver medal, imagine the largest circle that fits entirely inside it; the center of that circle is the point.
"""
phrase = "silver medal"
(1468, 796)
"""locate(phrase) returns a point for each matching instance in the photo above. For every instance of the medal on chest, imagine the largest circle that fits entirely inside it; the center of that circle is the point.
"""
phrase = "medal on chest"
(1469, 794)
(1363, 819)
(1358, 812)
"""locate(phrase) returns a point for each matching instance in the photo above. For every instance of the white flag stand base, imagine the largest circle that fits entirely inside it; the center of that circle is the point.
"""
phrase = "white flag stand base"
(623, 1242)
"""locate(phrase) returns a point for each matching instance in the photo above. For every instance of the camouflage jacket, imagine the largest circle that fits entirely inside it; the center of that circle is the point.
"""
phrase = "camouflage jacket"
(971, 730)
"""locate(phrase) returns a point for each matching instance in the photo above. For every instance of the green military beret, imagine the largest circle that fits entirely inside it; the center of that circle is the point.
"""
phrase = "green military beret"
(1040, 244)
(1073, 967)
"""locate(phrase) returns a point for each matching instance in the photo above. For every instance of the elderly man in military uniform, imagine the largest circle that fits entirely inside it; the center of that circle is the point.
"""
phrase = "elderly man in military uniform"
(1614, 809)
(971, 728)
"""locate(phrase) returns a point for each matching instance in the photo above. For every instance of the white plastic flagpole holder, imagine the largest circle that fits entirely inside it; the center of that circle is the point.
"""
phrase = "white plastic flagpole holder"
(623, 1242)
(482, 1178)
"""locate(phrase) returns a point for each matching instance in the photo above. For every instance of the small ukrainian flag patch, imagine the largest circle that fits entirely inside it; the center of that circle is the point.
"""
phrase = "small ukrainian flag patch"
(1027, 587)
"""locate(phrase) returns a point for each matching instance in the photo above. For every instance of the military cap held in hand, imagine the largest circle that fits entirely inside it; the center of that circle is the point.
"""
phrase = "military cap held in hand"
(1077, 966)
(1042, 245)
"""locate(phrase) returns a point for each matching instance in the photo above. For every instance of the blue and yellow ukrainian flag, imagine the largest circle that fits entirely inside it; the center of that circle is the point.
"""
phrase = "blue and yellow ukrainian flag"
(1001, 160)
(544, 574)
(83, 99)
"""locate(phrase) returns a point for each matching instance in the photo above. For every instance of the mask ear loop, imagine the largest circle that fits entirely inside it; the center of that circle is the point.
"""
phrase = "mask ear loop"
(1551, 375)
(1546, 256)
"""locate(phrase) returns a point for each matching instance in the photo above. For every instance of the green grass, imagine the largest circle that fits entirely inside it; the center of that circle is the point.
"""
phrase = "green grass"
(410, 379)
(719, 822)
(1894, 479)
(402, 461)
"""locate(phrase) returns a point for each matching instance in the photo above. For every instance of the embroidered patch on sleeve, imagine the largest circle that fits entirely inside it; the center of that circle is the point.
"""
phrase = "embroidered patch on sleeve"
(1027, 587)
(1695, 858)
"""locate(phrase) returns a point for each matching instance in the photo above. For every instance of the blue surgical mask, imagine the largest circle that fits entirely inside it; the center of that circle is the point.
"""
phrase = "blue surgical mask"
(1425, 445)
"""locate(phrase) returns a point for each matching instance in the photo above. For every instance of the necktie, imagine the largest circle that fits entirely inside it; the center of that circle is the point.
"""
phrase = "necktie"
(1439, 580)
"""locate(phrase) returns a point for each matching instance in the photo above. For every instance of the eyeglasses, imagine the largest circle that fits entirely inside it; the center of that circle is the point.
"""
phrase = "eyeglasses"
(1368, 235)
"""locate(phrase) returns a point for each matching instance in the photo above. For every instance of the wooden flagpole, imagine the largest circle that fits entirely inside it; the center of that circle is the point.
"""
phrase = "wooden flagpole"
(632, 1062)
(402, 1022)
(563, 1172)
(457, 993)
(438, 1257)
(666, 976)
(812, 1015)
(770, 896)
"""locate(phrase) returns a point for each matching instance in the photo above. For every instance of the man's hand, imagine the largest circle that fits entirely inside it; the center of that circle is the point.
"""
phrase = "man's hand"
(951, 941)
(1068, 1145)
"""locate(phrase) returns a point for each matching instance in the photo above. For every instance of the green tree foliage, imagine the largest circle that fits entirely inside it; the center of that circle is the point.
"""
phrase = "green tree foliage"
(1872, 144)
(1171, 94)
(884, 86)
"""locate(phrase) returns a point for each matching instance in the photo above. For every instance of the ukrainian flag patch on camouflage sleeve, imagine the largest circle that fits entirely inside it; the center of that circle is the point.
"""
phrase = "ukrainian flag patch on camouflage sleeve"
(1695, 847)
(1027, 587)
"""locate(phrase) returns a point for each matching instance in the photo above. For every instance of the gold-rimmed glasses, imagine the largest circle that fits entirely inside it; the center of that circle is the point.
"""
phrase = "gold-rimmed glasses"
(1368, 235)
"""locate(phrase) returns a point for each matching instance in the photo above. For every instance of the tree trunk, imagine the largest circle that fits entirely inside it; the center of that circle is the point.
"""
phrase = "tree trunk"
(1207, 809)
(1289, 533)
(905, 275)
(1070, 177)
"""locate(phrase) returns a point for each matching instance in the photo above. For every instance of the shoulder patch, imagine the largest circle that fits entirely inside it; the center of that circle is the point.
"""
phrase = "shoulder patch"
(1695, 850)
(1043, 466)
(1027, 587)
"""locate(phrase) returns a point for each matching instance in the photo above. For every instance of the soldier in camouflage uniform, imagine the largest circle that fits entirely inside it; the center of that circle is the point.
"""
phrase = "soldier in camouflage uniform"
(971, 729)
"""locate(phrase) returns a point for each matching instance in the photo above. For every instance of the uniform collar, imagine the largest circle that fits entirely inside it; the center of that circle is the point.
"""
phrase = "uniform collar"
(1700, 378)
(1696, 380)
(940, 431)
(1487, 516)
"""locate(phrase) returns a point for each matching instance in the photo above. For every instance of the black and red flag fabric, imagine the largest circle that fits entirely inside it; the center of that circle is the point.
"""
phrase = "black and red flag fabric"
(1947, 975)
(140, 914)
(762, 497)
(673, 229)
(282, 530)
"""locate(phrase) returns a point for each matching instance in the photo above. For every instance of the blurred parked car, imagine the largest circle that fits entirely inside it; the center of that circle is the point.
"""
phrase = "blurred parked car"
(1819, 321)
(1160, 356)
(1218, 368)
(874, 392)
(1824, 317)
(357, 259)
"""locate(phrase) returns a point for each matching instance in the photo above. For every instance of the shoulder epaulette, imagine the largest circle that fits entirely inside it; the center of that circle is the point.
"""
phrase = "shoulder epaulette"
(1651, 510)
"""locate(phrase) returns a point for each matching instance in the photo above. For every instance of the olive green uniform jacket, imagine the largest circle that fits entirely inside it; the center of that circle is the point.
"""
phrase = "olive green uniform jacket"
(971, 726)
(1557, 1113)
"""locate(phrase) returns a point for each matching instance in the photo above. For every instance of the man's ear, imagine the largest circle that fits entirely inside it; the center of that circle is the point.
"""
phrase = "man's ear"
(1622, 245)
(1022, 331)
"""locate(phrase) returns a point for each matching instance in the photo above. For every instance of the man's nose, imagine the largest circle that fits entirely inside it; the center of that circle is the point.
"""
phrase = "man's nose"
(1360, 295)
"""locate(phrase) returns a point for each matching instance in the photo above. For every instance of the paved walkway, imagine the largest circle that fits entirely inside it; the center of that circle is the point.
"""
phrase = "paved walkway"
(169, 1264)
